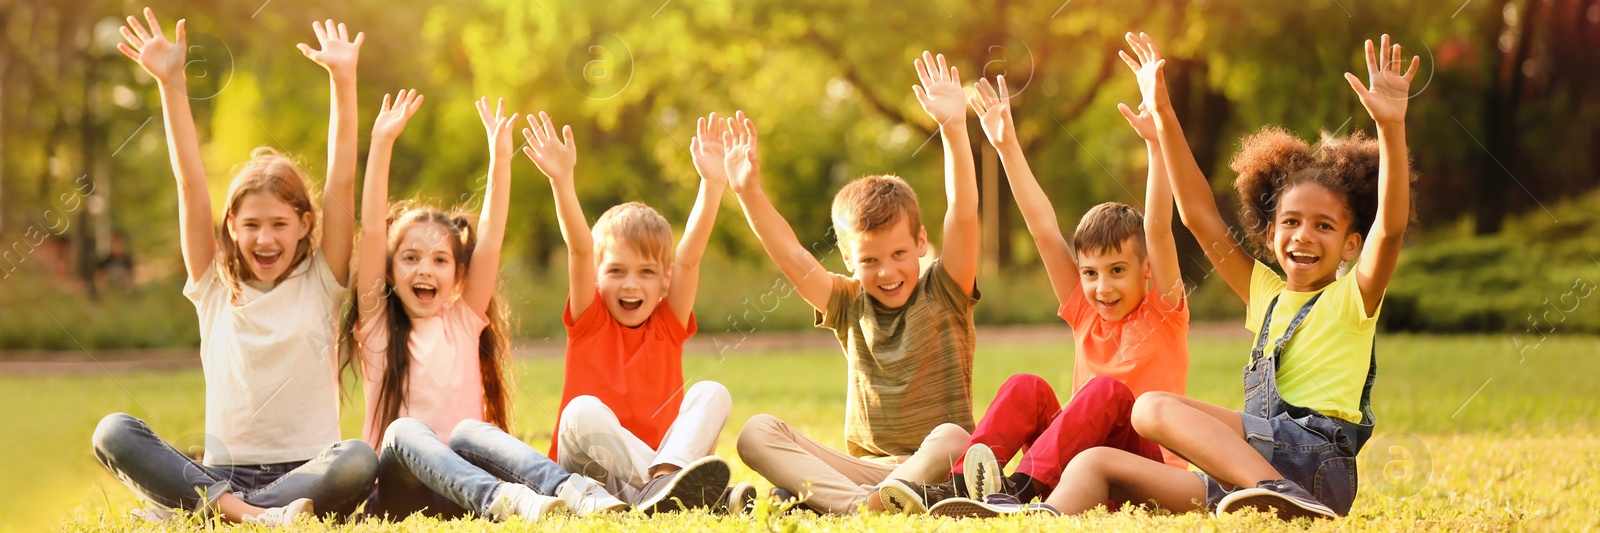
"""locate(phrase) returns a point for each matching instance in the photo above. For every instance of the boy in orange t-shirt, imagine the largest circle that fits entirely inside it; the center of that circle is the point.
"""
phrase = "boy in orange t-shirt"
(625, 419)
(1120, 290)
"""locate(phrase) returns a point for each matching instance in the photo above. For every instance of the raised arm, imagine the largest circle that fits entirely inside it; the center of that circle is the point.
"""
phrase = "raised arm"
(777, 238)
(1192, 192)
(556, 158)
(164, 60)
(1160, 247)
(942, 98)
(709, 155)
(485, 268)
(1386, 102)
(994, 114)
(338, 55)
(372, 263)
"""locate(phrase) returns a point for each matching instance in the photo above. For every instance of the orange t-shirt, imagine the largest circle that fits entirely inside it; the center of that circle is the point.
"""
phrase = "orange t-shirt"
(1147, 350)
(637, 372)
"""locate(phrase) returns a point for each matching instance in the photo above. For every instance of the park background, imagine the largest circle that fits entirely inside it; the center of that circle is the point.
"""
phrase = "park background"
(1504, 131)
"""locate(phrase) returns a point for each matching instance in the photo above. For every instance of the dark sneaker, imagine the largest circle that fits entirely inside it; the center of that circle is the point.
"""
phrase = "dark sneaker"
(1278, 496)
(991, 506)
(697, 486)
(739, 499)
(786, 501)
(983, 475)
(905, 497)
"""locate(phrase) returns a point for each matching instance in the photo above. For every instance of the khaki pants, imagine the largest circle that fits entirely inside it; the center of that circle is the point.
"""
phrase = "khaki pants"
(837, 482)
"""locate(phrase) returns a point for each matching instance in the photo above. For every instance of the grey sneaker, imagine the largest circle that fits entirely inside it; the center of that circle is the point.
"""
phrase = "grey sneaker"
(696, 486)
(906, 497)
(518, 500)
(788, 501)
(990, 506)
(296, 512)
(739, 499)
(586, 497)
(152, 514)
(983, 473)
(1277, 496)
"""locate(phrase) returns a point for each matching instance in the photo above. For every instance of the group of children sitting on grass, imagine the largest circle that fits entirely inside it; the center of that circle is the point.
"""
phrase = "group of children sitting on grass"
(281, 312)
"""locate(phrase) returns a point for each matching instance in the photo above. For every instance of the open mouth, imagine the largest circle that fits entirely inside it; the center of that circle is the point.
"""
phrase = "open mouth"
(630, 303)
(267, 260)
(1303, 259)
(892, 288)
(1108, 305)
(425, 292)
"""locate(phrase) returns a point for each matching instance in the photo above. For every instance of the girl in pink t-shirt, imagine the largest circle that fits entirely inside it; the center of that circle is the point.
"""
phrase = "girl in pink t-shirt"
(431, 347)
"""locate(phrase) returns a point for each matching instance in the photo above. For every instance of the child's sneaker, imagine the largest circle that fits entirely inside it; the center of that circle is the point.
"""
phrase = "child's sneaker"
(739, 499)
(153, 515)
(297, 511)
(990, 506)
(983, 475)
(518, 500)
(696, 486)
(1278, 496)
(586, 497)
(906, 497)
(788, 501)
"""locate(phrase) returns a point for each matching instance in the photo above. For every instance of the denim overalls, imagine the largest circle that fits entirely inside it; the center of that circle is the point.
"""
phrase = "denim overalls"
(1314, 450)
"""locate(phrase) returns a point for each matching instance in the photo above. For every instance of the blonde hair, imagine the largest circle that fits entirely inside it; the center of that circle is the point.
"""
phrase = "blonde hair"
(267, 172)
(638, 226)
(1106, 226)
(875, 203)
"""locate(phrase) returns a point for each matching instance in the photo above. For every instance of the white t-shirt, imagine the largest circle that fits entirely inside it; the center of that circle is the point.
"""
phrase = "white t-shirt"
(443, 382)
(271, 366)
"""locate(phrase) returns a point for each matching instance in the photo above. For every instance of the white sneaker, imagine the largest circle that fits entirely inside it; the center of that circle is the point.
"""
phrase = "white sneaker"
(297, 511)
(153, 515)
(586, 497)
(518, 500)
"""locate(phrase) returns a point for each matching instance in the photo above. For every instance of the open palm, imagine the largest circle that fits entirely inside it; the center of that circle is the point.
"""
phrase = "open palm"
(393, 115)
(994, 111)
(940, 92)
(339, 52)
(742, 162)
(497, 125)
(1149, 69)
(708, 151)
(1390, 88)
(555, 156)
(163, 59)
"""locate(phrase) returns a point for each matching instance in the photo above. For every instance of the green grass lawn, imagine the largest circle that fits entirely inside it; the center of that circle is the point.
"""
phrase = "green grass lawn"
(1470, 437)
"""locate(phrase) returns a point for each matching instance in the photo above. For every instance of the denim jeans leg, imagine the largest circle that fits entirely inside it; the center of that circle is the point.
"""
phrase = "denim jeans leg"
(506, 457)
(418, 449)
(336, 480)
(154, 469)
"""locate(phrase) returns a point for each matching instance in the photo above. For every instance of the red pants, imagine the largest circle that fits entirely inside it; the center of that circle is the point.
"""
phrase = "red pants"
(1026, 413)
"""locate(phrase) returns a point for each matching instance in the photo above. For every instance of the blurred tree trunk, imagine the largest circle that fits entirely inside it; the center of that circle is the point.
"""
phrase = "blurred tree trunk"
(1501, 102)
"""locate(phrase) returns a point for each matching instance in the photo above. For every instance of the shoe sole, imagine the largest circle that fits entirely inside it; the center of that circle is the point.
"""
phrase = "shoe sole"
(698, 485)
(741, 500)
(1270, 502)
(900, 499)
(983, 472)
(970, 508)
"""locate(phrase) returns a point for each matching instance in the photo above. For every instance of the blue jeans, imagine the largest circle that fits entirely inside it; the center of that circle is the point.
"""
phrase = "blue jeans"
(337, 480)
(417, 471)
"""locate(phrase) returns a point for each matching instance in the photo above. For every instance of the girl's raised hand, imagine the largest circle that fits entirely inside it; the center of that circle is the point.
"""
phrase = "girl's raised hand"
(940, 92)
(498, 126)
(554, 156)
(994, 111)
(708, 151)
(1150, 69)
(1143, 122)
(339, 52)
(393, 115)
(163, 59)
(742, 162)
(1390, 84)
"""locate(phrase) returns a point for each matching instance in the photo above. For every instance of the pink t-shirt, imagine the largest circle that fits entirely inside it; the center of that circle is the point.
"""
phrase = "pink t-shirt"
(444, 384)
(1147, 350)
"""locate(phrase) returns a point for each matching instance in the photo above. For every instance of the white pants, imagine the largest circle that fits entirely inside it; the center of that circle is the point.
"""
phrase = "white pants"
(594, 443)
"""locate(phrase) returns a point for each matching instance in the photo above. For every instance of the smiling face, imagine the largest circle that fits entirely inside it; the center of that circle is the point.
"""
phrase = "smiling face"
(885, 262)
(631, 283)
(423, 269)
(268, 233)
(1311, 234)
(1113, 281)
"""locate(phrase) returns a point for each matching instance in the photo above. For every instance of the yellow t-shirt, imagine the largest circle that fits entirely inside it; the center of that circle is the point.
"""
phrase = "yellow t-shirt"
(1325, 365)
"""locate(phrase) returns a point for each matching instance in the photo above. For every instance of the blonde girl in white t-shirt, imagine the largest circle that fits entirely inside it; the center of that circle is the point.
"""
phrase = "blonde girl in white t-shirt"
(267, 297)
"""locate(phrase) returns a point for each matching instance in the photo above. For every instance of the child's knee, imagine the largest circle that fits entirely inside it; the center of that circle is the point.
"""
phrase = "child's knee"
(712, 395)
(352, 465)
(1090, 462)
(757, 435)
(1149, 412)
(581, 411)
(948, 440)
(112, 436)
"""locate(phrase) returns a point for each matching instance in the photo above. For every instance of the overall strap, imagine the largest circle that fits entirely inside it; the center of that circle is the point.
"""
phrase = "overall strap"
(1294, 325)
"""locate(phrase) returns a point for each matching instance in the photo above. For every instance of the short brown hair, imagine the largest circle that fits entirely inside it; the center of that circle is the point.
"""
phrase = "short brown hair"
(875, 203)
(1105, 227)
(636, 225)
